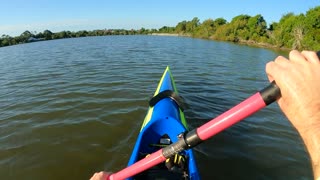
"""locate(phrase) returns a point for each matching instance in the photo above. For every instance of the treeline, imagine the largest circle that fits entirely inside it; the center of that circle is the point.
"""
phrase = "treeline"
(292, 31)
(28, 36)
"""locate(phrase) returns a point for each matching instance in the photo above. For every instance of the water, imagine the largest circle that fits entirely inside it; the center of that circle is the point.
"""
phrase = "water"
(71, 107)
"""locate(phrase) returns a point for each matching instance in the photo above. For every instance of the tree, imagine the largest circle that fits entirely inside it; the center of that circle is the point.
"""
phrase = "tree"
(166, 29)
(25, 36)
(224, 33)
(283, 31)
(312, 34)
(298, 31)
(192, 25)
(205, 30)
(81, 33)
(143, 31)
(313, 17)
(47, 35)
(257, 27)
(5, 40)
(39, 35)
(181, 27)
(239, 27)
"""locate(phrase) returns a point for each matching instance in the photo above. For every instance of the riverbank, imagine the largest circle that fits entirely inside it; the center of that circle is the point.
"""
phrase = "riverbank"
(163, 34)
(170, 34)
(243, 42)
(262, 45)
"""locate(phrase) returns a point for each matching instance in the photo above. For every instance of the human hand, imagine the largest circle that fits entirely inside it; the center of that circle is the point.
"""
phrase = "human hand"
(299, 83)
(100, 176)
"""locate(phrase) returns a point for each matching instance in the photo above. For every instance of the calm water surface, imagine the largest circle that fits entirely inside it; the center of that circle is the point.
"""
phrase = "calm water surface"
(71, 107)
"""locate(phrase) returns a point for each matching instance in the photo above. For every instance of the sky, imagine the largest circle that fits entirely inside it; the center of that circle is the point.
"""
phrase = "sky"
(16, 16)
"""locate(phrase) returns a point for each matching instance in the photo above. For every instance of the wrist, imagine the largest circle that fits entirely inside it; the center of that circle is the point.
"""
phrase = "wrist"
(307, 123)
(311, 138)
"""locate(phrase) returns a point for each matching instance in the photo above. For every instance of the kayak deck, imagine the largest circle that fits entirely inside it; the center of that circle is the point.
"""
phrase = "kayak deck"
(162, 126)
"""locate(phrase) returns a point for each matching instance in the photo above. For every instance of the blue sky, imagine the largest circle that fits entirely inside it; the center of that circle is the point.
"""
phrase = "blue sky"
(17, 16)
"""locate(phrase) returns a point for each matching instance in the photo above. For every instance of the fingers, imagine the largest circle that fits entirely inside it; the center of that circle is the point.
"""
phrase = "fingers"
(276, 67)
(297, 57)
(272, 68)
(304, 56)
(270, 78)
(311, 57)
(100, 176)
(282, 61)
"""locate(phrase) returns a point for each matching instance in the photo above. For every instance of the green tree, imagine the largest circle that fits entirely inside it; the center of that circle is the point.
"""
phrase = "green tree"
(224, 33)
(289, 31)
(311, 39)
(166, 29)
(192, 25)
(220, 22)
(25, 36)
(181, 27)
(39, 35)
(47, 34)
(5, 40)
(239, 27)
(221, 29)
(143, 31)
(257, 27)
(205, 29)
(81, 33)
(298, 32)
(283, 30)
(313, 17)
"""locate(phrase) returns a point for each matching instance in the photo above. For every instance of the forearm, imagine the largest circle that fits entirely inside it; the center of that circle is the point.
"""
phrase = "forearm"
(299, 82)
(308, 126)
(311, 139)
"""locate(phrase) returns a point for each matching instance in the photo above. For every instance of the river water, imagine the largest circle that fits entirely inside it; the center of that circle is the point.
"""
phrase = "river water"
(71, 107)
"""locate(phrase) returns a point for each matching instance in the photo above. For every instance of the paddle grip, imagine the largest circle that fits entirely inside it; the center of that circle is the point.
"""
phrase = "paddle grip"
(272, 92)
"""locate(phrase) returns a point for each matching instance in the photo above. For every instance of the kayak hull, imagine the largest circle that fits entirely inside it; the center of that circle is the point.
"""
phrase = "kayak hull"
(164, 118)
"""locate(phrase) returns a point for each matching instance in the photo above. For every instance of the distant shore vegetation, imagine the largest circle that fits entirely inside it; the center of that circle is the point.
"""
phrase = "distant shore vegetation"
(293, 31)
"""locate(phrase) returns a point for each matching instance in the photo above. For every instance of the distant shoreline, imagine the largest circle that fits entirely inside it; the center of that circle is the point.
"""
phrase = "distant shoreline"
(243, 42)
(163, 34)
(169, 34)
(261, 45)
(250, 43)
(291, 32)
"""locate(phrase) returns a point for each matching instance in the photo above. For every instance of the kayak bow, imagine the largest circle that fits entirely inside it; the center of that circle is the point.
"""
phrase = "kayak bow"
(163, 125)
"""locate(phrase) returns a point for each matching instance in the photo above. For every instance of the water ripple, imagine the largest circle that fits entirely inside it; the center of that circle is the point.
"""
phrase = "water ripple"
(71, 107)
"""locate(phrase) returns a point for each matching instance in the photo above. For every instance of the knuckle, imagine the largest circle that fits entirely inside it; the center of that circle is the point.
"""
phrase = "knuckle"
(269, 66)
(279, 59)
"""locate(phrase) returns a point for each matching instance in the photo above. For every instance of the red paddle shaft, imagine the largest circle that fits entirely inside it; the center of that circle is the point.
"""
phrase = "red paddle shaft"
(246, 108)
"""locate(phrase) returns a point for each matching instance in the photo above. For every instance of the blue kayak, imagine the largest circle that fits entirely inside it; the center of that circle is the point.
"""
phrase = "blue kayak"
(162, 126)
